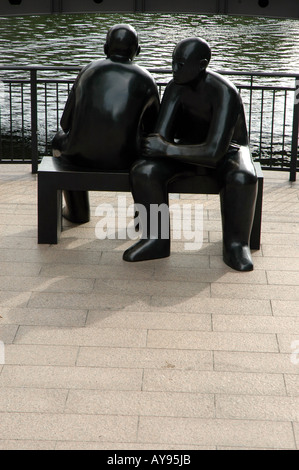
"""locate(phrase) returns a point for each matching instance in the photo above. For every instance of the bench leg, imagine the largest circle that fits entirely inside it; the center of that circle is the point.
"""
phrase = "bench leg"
(49, 213)
(255, 239)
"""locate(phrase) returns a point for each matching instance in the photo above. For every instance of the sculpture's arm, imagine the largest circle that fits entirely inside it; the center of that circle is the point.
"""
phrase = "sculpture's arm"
(225, 111)
(151, 112)
(170, 107)
(66, 118)
(155, 144)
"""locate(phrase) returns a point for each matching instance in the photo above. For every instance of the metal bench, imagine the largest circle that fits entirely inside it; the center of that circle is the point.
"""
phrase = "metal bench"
(54, 175)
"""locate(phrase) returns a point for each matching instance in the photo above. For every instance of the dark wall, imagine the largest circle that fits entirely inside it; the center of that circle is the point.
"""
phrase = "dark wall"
(273, 8)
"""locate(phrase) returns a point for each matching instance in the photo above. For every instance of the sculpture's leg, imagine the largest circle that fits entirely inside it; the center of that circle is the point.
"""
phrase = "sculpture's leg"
(238, 198)
(148, 187)
(76, 208)
(149, 180)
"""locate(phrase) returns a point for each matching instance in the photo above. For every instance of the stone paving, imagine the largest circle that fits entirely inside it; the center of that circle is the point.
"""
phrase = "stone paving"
(180, 353)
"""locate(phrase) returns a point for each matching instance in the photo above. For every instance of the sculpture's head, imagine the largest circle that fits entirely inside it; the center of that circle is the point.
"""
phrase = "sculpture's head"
(122, 42)
(190, 58)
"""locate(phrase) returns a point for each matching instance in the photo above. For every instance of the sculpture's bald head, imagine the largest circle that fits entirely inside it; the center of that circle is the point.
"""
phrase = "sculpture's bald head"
(122, 41)
(190, 57)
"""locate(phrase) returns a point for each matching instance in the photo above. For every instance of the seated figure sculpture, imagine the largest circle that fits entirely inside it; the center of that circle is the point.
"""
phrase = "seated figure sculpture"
(201, 125)
(112, 103)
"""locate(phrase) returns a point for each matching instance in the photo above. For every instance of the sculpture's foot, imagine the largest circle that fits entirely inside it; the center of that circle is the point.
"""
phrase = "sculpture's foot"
(238, 256)
(75, 218)
(146, 249)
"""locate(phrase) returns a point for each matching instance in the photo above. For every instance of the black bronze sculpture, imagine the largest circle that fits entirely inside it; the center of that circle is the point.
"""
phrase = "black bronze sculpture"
(112, 103)
(201, 124)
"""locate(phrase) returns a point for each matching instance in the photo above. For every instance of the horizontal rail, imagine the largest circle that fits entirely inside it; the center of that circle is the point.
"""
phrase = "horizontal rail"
(70, 68)
(34, 103)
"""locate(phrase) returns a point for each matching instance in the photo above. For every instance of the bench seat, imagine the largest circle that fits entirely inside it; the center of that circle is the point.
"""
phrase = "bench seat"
(55, 175)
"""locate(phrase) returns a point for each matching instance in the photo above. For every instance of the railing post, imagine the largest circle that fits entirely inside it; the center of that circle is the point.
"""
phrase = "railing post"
(295, 133)
(222, 7)
(34, 142)
(56, 6)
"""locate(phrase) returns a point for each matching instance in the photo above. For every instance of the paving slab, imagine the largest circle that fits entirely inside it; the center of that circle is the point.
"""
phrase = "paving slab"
(181, 353)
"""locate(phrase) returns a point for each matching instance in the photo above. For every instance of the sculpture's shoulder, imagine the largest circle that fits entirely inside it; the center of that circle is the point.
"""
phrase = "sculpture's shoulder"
(94, 65)
(143, 72)
(222, 88)
(124, 68)
(174, 89)
(218, 80)
(90, 69)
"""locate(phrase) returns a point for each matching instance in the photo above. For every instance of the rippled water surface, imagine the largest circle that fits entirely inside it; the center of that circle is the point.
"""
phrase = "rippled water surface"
(238, 43)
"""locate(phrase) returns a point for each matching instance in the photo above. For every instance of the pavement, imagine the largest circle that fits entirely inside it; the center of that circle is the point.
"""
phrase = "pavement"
(181, 353)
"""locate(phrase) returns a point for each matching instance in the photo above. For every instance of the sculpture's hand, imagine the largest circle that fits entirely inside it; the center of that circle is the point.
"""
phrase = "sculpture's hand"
(154, 146)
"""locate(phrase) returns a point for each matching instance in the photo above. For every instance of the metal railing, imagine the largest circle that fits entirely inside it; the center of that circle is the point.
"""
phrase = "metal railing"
(32, 100)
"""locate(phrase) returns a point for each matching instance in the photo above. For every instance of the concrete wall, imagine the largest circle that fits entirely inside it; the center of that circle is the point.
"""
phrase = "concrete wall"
(26, 7)
(91, 6)
(274, 8)
(289, 8)
(203, 6)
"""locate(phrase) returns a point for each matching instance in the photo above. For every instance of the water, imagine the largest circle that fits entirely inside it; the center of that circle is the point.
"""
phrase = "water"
(238, 43)
(253, 44)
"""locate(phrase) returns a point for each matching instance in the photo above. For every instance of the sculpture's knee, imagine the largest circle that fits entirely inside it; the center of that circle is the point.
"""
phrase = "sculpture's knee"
(59, 141)
(144, 171)
(241, 178)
